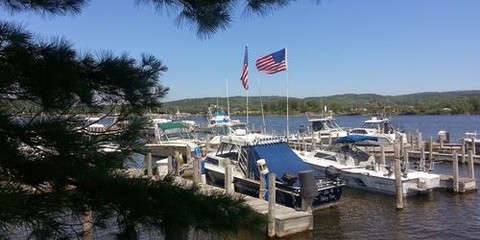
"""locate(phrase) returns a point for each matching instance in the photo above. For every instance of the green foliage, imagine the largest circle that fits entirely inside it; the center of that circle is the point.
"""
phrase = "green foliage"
(52, 169)
(457, 102)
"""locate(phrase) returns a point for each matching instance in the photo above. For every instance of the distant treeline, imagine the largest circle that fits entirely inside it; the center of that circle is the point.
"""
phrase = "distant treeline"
(431, 103)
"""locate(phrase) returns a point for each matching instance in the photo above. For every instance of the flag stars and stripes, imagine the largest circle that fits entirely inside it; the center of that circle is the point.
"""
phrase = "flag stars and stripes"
(244, 76)
(273, 63)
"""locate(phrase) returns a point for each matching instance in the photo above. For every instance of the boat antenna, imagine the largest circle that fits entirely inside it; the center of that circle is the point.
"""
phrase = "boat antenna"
(321, 107)
(228, 100)
(264, 127)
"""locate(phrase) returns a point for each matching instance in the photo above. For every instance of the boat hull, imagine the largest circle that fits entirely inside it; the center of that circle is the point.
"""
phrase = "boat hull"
(377, 182)
(326, 197)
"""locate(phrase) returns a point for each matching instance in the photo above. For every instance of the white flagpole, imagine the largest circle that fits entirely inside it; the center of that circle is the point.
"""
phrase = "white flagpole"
(247, 105)
(288, 124)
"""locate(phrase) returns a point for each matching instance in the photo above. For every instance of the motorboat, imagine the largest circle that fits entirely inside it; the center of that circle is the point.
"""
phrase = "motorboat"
(166, 138)
(361, 171)
(381, 128)
(250, 154)
(322, 129)
(217, 116)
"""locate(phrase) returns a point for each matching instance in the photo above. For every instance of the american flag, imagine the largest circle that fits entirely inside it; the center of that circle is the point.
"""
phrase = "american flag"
(244, 76)
(273, 63)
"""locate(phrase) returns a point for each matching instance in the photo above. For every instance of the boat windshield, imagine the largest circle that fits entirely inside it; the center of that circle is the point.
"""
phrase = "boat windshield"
(228, 151)
(324, 125)
(371, 125)
(174, 133)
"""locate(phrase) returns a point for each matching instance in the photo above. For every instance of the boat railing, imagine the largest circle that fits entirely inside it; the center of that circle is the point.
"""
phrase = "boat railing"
(243, 161)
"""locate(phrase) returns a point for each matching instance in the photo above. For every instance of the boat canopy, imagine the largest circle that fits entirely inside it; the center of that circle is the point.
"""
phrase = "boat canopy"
(280, 160)
(172, 125)
(352, 138)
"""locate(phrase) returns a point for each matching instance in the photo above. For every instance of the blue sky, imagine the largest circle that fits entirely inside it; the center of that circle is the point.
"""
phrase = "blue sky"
(339, 46)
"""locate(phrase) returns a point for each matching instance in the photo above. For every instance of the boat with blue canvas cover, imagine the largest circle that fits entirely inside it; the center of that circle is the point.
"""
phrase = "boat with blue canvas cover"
(248, 152)
(361, 171)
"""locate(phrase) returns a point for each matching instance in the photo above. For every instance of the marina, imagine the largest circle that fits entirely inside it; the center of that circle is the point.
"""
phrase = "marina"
(459, 184)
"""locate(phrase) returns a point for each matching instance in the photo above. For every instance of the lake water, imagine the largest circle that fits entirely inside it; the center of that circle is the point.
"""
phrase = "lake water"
(364, 215)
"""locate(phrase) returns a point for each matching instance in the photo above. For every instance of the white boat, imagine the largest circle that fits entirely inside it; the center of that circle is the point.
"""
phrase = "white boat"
(165, 137)
(382, 128)
(360, 170)
(323, 130)
(217, 116)
(252, 154)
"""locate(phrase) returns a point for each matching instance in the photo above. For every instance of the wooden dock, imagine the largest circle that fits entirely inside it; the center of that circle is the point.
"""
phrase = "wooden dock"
(288, 221)
(465, 184)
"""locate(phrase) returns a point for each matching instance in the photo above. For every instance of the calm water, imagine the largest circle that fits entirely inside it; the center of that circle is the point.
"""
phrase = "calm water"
(363, 215)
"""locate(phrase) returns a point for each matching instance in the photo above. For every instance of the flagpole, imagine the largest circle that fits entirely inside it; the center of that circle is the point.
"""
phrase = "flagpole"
(247, 106)
(288, 124)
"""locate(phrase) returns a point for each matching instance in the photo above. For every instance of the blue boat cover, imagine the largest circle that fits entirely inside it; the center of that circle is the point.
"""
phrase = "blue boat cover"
(280, 160)
(355, 138)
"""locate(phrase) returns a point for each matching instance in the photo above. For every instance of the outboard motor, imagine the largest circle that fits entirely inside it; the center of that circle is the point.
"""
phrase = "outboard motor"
(333, 173)
(308, 186)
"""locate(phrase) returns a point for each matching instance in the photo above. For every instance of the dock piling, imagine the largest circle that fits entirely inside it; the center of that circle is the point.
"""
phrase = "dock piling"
(148, 164)
(170, 164)
(419, 140)
(263, 187)
(229, 177)
(455, 171)
(421, 165)
(398, 176)
(271, 204)
(471, 169)
(382, 154)
(87, 225)
(473, 146)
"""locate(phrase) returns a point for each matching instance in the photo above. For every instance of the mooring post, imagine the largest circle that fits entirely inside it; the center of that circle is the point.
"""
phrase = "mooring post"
(441, 138)
(87, 225)
(263, 187)
(170, 164)
(421, 164)
(471, 169)
(419, 140)
(148, 164)
(473, 146)
(382, 154)
(176, 163)
(398, 174)
(455, 171)
(405, 160)
(207, 143)
(228, 177)
(464, 159)
(430, 150)
(271, 204)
